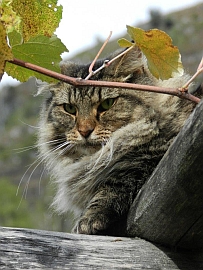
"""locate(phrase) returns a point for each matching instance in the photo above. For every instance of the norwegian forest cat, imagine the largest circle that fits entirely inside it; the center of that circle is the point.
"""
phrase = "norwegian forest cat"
(101, 145)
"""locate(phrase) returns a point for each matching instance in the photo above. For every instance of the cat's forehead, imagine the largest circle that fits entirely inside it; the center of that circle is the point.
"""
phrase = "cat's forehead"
(70, 94)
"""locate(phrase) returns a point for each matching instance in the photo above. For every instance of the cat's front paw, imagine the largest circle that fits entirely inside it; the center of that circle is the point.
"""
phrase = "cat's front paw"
(92, 223)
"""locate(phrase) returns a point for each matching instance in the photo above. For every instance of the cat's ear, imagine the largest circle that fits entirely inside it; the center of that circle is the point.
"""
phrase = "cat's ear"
(128, 65)
(74, 70)
(42, 87)
(68, 68)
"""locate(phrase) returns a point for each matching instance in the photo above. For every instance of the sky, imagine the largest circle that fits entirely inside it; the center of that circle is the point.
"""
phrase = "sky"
(85, 21)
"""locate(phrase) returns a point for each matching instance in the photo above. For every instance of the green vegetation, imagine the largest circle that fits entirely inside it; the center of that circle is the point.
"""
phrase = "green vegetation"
(14, 212)
(29, 26)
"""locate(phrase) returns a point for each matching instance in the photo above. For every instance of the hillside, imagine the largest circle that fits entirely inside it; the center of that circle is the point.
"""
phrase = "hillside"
(19, 111)
(185, 27)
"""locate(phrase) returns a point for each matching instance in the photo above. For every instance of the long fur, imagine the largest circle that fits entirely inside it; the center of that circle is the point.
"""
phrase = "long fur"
(133, 136)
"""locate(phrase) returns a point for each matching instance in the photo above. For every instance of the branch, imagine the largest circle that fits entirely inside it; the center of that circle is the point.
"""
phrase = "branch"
(106, 63)
(200, 64)
(91, 72)
(199, 70)
(78, 82)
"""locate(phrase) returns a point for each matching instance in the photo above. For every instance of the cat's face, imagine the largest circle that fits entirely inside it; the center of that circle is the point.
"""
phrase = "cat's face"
(82, 120)
(79, 121)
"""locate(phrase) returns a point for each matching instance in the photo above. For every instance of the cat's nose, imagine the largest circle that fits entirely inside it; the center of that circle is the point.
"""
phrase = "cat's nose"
(85, 127)
(85, 132)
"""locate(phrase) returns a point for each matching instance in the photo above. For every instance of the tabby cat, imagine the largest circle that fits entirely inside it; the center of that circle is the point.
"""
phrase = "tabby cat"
(101, 145)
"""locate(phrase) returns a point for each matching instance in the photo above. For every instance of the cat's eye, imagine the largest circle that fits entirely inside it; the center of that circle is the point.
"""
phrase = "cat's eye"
(69, 108)
(106, 104)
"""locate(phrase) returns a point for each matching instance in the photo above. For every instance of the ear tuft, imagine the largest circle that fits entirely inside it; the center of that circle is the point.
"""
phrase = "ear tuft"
(131, 61)
(42, 87)
(126, 66)
(67, 68)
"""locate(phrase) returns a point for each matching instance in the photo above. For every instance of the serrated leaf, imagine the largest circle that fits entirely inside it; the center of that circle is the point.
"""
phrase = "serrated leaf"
(5, 50)
(163, 58)
(40, 50)
(37, 17)
(124, 43)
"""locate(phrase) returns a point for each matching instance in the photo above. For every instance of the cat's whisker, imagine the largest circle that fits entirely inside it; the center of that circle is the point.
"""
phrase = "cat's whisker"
(66, 145)
(24, 149)
(26, 124)
(105, 162)
(66, 149)
(92, 169)
(47, 155)
(40, 179)
(30, 166)
(53, 142)
(22, 178)
(39, 160)
(21, 199)
(27, 148)
(110, 156)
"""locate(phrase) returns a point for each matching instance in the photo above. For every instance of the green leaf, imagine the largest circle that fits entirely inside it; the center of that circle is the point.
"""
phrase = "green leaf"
(124, 43)
(40, 50)
(164, 60)
(15, 38)
(37, 17)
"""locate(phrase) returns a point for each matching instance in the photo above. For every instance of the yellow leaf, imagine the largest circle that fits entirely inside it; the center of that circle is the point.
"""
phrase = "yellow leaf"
(5, 50)
(37, 17)
(164, 60)
(124, 43)
(8, 17)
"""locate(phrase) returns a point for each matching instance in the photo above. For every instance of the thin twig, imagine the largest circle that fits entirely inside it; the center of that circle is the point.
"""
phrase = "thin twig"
(119, 55)
(91, 72)
(107, 63)
(185, 87)
(77, 82)
(200, 64)
(199, 70)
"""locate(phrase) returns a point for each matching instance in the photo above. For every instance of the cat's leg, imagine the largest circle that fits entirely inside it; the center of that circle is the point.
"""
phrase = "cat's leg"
(106, 213)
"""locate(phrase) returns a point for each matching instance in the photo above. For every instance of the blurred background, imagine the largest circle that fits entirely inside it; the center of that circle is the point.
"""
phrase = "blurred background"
(25, 189)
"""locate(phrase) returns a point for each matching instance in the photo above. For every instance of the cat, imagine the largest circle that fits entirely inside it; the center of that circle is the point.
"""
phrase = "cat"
(101, 145)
